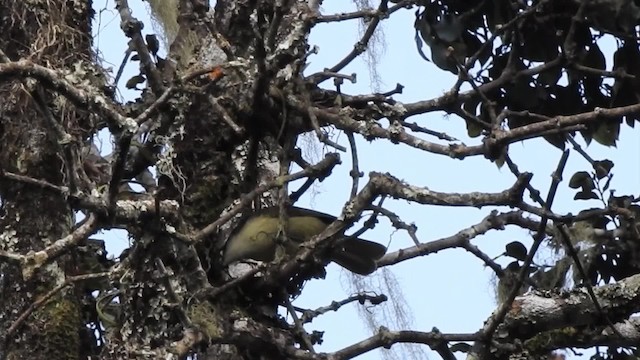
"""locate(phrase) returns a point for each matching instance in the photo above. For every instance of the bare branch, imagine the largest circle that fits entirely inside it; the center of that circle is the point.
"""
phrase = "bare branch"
(82, 96)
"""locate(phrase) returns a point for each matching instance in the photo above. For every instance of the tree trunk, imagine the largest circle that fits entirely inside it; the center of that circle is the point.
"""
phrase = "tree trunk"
(56, 34)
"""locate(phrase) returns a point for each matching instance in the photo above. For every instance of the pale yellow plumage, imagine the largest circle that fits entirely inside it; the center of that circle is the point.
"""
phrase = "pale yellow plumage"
(255, 239)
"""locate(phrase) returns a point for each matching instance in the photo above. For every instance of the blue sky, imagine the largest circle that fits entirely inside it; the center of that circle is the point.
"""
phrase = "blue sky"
(450, 290)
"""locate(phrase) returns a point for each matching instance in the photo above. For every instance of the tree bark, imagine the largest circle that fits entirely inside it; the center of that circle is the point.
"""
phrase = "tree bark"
(56, 34)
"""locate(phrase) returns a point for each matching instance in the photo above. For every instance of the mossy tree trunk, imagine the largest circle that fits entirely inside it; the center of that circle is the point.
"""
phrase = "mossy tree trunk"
(56, 34)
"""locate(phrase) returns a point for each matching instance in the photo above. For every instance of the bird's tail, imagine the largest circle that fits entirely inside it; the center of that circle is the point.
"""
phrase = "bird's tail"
(358, 256)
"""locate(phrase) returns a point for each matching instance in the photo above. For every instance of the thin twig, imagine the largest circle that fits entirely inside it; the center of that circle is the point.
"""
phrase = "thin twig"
(498, 317)
(316, 170)
(355, 172)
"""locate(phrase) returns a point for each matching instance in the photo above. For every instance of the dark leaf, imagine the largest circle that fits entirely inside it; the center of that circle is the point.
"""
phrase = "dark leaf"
(419, 46)
(621, 201)
(587, 135)
(134, 81)
(557, 140)
(607, 132)
(501, 159)
(585, 195)
(498, 66)
(598, 222)
(473, 128)
(152, 43)
(579, 179)
(551, 76)
(441, 56)
(161, 63)
(516, 250)
(473, 44)
(523, 95)
(605, 274)
(606, 184)
(147, 180)
(594, 58)
(539, 41)
(589, 185)
(471, 106)
(462, 347)
(602, 167)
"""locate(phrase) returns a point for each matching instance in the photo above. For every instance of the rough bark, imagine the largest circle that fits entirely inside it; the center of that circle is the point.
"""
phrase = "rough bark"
(56, 34)
(219, 118)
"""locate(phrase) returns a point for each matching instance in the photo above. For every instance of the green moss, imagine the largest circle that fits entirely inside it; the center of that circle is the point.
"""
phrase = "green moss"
(540, 342)
(204, 317)
(59, 320)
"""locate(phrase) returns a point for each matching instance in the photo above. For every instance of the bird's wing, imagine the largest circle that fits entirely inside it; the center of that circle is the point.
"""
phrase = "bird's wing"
(295, 211)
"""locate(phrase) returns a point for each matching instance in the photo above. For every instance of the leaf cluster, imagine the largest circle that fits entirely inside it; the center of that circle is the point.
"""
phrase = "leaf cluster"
(538, 61)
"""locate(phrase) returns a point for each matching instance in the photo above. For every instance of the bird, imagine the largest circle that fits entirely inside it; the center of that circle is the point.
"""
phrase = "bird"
(255, 238)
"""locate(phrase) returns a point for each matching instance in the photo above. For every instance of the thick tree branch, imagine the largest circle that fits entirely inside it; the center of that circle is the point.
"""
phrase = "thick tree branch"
(494, 221)
(535, 312)
(86, 98)
(132, 28)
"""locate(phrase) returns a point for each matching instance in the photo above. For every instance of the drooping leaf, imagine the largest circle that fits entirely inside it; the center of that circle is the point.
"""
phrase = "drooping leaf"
(449, 29)
(419, 25)
(586, 195)
(607, 132)
(606, 184)
(602, 167)
(557, 140)
(539, 41)
(471, 106)
(522, 96)
(461, 347)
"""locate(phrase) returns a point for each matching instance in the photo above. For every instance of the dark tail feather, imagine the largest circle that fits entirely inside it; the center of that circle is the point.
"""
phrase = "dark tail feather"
(358, 256)
(354, 263)
(364, 248)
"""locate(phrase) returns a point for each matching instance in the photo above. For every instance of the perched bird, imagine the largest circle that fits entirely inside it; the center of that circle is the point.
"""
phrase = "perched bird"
(255, 238)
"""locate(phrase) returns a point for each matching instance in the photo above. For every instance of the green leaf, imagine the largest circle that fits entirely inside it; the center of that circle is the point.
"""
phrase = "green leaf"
(473, 129)
(607, 132)
(471, 106)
